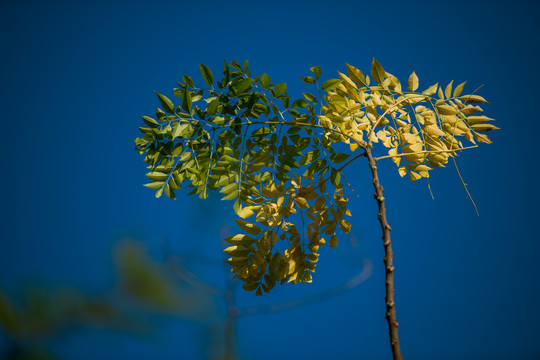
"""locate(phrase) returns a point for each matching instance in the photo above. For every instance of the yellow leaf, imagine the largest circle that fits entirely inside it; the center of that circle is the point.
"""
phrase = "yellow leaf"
(472, 120)
(333, 241)
(236, 250)
(237, 259)
(411, 138)
(301, 202)
(249, 227)
(482, 138)
(446, 109)
(473, 99)
(459, 89)
(356, 75)
(247, 211)
(448, 90)
(402, 171)
(393, 152)
(433, 130)
(413, 148)
(401, 123)
(470, 109)
(270, 191)
(239, 239)
(431, 90)
(484, 127)
(345, 226)
(419, 167)
(414, 176)
(412, 84)
(347, 80)
(449, 118)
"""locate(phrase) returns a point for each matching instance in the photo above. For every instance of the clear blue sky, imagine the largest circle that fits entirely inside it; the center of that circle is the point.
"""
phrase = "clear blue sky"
(77, 75)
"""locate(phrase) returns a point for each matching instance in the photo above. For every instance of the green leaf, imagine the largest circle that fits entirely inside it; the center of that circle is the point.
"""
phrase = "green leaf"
(166, 103)
(212, 108)
(309, 157)
(245, 66)
(330, 84)
(299, 104)
(307, 79)
(280, 88)
(155, 185)
(377, 72)
(235, 65)
(339, 157)
(335, 177)
(150, 121)
(310, 97)
(250, 286)
(169, 192)
(243, 85)
(286, 100)
(226, 74)
(316, 70)
(206, 74)
(264, 80)
(188, 81)
(232, 195)
(177, 131)
(157, 176)
(185, 156)
(186, 101)
(227, 189)
(412, 84)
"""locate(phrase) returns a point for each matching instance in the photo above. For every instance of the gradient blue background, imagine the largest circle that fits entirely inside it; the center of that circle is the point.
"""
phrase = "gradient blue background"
(77, 76)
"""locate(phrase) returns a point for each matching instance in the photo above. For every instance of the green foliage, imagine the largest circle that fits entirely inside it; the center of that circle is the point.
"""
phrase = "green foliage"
(273, 157)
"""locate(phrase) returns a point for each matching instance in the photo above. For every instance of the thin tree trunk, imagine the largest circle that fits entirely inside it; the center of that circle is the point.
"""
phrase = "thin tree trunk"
(388, 259)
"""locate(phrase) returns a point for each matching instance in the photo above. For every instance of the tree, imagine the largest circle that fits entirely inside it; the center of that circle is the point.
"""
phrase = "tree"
(282, 161)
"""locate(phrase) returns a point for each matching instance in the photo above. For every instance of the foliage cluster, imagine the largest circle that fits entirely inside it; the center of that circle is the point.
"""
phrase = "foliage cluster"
(276, 158)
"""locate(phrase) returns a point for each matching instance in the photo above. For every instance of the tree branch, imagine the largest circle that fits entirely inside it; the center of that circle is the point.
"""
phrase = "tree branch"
(388, 259)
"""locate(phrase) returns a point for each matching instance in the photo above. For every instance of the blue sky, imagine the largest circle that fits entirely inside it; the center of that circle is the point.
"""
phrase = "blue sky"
(77, 76)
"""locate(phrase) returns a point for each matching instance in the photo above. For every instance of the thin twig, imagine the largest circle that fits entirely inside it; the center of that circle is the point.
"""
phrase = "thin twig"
(465, 186)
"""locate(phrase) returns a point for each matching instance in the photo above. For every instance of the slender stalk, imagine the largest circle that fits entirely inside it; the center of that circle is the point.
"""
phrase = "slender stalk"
(388, 258)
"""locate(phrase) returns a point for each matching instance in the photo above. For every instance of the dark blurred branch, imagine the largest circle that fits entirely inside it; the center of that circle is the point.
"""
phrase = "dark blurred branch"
(190, 278)
(315, 298)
